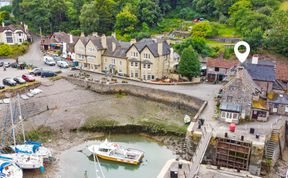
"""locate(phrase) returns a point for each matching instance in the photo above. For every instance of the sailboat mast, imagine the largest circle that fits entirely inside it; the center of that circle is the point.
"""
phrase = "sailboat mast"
(12, 122)
(21, 118)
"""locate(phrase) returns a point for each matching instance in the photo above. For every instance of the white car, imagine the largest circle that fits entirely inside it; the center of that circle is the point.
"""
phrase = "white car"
(49, 61)
(62, 64)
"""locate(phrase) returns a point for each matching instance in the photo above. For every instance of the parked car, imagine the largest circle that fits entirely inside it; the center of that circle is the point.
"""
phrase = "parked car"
(57, 58)
(1, 64)
(6, 64)
(62, 64)
(1, 86)
(36, 72)
(14, 65)
(19, 80)
(28, 78)
(49, 61)
(9, 82)
(48, 74)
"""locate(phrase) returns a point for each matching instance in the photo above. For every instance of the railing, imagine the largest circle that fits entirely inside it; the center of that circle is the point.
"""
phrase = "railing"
(201, 149)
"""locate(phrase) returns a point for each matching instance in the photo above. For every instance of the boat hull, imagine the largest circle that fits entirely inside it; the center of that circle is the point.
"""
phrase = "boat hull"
(119, 160)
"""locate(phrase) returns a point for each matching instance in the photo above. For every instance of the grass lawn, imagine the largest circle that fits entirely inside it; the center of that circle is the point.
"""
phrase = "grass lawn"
(284, 6)
(212, 43)
(226, 31)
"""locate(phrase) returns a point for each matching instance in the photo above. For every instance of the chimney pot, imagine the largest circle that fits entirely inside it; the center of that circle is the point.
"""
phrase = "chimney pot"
(133, 41)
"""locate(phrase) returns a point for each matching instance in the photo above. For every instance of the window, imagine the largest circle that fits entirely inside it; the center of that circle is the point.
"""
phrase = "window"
(223, 114)
(120, 70)
(149, 77)
(229, 98)
(136, 64)
(152, 77)
(105, 59)
(144, 77)
(148, 66)
(20, 40)
(132, 64)
(146, 55)
(95, 66)
(113, 61)
(19, 34)
(132, 75)
(9, 37)
(136, 75)
(144, 66)
(135, 54)
(120, 63)
(216, 69)
(235, 115)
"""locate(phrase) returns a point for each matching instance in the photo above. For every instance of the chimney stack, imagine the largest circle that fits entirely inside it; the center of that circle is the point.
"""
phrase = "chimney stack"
(95, 34)
(82, 34)
(114, 35)
(113, 46)
(103, 41)
(25, 28)
(71, 39)
(160, 47)
(133, 41)
(3, 24)
(171, 54)
(255, 59)
(239, 73)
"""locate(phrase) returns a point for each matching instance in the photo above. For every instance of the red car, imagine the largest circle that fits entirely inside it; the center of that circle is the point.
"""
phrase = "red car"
(28, 78)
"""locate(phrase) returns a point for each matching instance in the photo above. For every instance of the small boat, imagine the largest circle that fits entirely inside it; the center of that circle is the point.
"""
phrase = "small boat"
(115, 152)
(24, 161)
(187, 119)
(10, 170)
(33, 148)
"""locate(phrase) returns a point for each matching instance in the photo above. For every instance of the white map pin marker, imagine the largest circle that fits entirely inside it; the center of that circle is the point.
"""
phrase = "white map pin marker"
(242, 56)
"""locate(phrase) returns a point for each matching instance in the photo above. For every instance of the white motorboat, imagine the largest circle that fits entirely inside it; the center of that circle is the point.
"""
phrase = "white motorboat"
(115, 152)
(33, 148)
(24, 161)
(10, 170)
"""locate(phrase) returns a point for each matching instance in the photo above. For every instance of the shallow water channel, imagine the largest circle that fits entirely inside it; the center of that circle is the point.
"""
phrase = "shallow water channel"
(78, 160)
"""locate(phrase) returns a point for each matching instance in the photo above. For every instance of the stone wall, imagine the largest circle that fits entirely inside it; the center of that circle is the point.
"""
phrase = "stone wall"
(176, 99)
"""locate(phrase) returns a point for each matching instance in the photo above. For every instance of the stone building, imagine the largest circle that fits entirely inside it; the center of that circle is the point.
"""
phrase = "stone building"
(240, 99)
(14, 34)
(148, 59)
(218, 69)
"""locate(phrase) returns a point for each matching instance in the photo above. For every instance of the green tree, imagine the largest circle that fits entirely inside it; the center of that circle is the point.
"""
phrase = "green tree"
(189, 65)
(277, 36)
(204, 29)
(148, 12)
(197, 43)
(125, 21)
(99, 16)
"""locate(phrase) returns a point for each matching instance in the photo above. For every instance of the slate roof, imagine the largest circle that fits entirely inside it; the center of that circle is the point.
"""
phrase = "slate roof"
(227, 64)
(280, 99)
(120, 51)
(261, 72)
(152, 45)
(282, 72)
(230, 107)
(12, 28)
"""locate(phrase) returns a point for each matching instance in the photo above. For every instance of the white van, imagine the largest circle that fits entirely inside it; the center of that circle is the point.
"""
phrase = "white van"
(62, 64)
(49, 61)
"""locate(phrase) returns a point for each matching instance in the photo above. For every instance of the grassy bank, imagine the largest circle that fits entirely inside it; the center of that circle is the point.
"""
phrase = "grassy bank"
(148, 126)
(42, 134)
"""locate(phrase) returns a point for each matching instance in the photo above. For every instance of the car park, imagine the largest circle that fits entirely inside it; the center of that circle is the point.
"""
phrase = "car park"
(62, 64)
(36, 72)
(9, 82)
(28, 78)
(19, 80)
(49, 61)
(48, 74)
